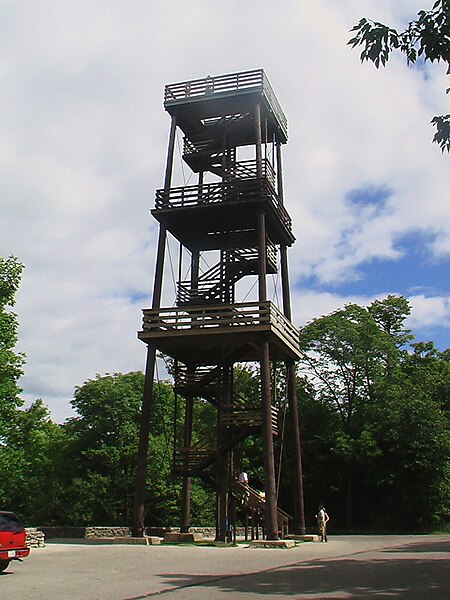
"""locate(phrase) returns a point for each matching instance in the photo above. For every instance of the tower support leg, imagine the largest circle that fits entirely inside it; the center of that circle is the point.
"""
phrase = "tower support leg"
(267, 434)
(222, 498)
(144, 430)
(299, 507)
(186, 488)
(147, 401)
(222, 473)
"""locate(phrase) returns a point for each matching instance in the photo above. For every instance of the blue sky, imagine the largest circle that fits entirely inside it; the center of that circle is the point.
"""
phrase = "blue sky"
(83, 137)
(413, 271)
(415, 274)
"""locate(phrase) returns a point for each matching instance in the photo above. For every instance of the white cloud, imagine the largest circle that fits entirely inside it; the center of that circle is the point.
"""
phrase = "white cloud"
(429, 311)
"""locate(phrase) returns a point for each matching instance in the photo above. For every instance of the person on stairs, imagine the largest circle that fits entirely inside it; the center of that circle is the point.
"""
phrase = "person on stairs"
(243, 479)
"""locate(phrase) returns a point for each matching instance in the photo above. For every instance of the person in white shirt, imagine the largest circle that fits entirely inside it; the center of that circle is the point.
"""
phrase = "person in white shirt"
(243, 478)
(322, 520)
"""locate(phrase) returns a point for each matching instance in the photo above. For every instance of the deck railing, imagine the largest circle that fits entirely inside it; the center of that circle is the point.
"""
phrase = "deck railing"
(273, 102)
(226, 84)
(220, 84)
(220, 318)
(249, 416)
(239, 256)
(237, 190)
(247, 169)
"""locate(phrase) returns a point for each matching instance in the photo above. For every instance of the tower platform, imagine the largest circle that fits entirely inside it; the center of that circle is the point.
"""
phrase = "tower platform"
(207, 334)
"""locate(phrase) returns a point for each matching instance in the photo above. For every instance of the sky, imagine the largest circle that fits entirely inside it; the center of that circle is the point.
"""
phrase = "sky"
(83, 139)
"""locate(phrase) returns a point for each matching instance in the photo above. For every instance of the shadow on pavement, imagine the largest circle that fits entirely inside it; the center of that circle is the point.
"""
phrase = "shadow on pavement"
(394, 578)
(420, 547)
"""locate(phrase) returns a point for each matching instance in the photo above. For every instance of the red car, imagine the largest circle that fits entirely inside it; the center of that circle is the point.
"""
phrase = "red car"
(12, 539)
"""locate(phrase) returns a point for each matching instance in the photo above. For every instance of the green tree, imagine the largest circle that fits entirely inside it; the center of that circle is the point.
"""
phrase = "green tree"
(347, 357)
(429, 368)
(31, 467)
(101, 450)
(11, 363)
(375, 417)
(427, 37)
(410, 479)
(101, 453)
(323, 468)
(407, 485)
(390, 314)
(345, 354)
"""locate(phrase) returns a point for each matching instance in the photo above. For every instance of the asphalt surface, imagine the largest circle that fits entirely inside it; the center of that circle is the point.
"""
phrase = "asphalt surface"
(379, 567)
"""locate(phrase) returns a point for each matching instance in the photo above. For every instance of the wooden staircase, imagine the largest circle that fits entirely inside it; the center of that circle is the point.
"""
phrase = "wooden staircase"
(243, 413)
(254, 503)
(201, 458)
(205, 152)
(199, 382)
(217, 284)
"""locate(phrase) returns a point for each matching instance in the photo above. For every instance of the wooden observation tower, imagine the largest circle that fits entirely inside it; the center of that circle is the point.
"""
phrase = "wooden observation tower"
(233, 128)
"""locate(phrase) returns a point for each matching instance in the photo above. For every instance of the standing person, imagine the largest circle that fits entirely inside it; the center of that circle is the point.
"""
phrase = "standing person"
(322, 520)
(243, 478)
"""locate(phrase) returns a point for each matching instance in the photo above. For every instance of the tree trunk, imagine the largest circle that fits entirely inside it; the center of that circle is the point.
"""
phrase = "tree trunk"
(348, 503)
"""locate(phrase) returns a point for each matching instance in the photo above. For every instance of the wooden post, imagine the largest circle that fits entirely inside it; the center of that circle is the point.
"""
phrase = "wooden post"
(267, 435)
(294, 422)
(232, 513)
(280, 174)
(222, 473)
(157, 289)
(141, 466)
(297, 475)
(147, 400)
(221, 490)
(186, 489)
(195, 266)
(258, 138)
(189, 409)
(262, 254)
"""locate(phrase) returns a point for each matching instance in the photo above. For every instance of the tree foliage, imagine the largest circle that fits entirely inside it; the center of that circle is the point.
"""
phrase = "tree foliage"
(11, 363)
(346, 354)
(31, 465)
(427, 37)
(374, 410)
(407, 483)
(374, 414)
(101, 449)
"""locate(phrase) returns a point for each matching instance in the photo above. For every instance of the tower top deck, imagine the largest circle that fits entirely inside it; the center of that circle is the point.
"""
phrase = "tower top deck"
(199, 104)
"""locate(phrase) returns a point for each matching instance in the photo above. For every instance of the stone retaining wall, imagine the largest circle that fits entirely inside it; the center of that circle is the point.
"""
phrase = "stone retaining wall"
(85, 532)
(35, 538)
(111, 532)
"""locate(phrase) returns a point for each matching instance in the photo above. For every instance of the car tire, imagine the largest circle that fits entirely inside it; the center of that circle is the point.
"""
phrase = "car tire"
(4, 564)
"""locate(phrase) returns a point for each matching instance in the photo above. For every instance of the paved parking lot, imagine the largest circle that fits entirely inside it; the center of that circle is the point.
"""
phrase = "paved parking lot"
(390, 567)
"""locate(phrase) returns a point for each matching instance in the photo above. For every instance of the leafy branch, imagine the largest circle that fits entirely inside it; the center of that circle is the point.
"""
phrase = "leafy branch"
(427, 37)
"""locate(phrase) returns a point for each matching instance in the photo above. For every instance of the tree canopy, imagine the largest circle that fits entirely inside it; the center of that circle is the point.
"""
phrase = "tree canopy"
(374, 408)
(11, 362)
(427, 38)
(374, 415)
